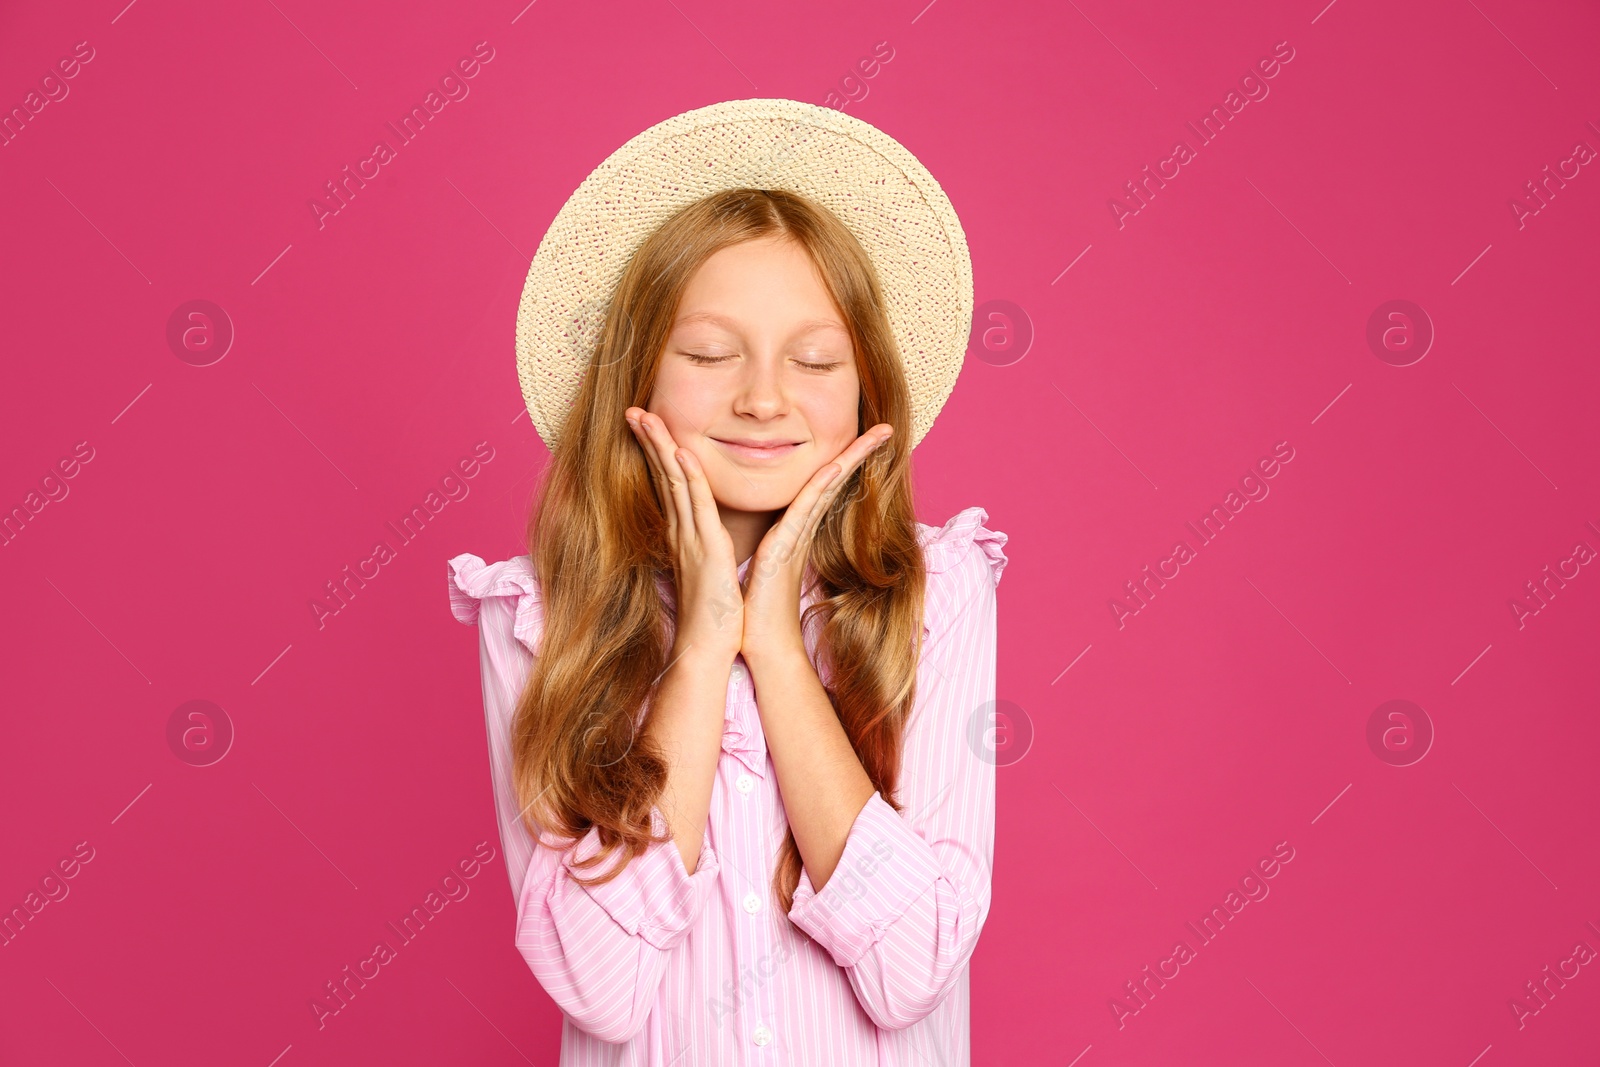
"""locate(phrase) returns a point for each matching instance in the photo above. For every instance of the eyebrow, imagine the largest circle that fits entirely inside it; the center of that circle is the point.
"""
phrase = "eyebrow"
(808, 326)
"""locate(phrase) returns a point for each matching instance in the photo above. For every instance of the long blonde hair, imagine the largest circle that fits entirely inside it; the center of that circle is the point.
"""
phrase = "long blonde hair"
(598, 540)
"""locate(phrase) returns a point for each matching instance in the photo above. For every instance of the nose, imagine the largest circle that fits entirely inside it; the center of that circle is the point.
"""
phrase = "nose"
(761, 394)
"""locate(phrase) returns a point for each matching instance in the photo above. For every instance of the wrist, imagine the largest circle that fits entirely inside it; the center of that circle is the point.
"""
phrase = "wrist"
(699, 656)
(777, 659)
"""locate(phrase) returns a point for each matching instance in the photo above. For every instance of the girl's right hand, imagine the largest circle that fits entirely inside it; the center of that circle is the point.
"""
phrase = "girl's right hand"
(710, 602)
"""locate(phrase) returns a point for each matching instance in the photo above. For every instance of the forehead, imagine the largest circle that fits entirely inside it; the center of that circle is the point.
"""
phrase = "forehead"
(761, 283)
(732, 323)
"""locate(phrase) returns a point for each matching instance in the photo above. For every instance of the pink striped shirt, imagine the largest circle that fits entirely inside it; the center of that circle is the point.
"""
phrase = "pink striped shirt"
(664, 968)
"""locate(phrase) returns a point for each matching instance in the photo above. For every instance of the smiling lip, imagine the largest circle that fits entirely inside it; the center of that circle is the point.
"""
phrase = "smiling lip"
(750, 448)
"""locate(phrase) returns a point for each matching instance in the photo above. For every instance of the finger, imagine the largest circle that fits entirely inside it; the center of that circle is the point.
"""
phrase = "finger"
(704, 504)
(805, 514)
(658, 476)
(820, 492)
(660, 481)
(789, 534)
(677, 485)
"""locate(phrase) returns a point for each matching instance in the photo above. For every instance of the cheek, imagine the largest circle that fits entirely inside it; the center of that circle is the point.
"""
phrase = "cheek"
(834, 419)
(682, 408)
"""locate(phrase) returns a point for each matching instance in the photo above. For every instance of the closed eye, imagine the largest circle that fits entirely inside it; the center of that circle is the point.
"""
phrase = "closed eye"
(712, 360)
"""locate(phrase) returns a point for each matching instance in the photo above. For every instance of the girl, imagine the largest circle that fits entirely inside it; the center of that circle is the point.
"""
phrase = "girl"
(736, 695)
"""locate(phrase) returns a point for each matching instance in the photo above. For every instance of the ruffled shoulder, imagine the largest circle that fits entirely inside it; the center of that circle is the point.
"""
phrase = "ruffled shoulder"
(946, 546)
(472, 581)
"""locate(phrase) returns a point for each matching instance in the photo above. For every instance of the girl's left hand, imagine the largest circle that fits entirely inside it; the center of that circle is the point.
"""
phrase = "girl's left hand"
(772, 587)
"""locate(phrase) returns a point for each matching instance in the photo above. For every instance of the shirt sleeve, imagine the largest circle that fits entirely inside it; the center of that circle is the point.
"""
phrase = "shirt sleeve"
(599, 952)
(903, 909)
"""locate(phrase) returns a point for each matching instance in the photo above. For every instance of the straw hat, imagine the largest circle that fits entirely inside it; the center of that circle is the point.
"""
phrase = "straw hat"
(867, 178)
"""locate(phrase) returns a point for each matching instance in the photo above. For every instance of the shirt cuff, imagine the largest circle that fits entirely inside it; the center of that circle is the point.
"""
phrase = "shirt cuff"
(885, 868)
(653, 897)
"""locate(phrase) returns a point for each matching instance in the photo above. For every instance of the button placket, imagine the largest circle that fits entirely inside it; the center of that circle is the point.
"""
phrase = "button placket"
(761, 1035)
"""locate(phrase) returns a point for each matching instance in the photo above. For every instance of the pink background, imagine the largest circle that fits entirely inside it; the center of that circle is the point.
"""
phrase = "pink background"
(1169, 754)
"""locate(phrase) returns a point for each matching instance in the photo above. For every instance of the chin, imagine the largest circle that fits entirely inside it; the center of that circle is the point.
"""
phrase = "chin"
(751, 501)
(766, 494)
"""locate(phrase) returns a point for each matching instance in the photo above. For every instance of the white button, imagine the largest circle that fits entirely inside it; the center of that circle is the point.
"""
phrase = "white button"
(744, 783)
(752, 903)
(761, 1036)
(738, 673)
